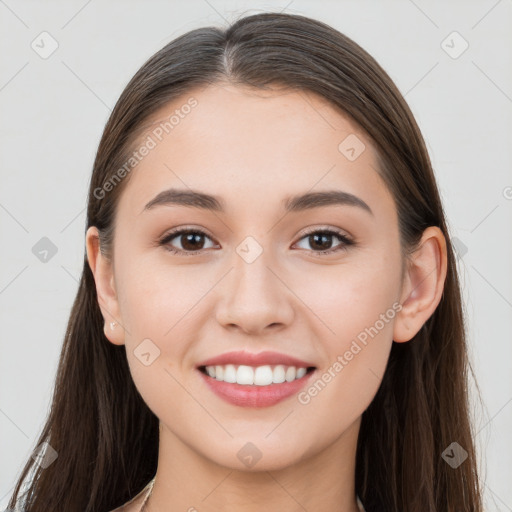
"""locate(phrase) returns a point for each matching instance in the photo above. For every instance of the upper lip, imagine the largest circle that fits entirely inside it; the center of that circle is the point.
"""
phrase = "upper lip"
(242, 357)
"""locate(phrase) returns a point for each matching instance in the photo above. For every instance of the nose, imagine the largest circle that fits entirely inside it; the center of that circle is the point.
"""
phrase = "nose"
(254, 298)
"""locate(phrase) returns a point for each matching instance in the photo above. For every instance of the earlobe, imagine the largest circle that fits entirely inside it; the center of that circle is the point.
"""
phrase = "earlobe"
(423, 284)
(102, 270)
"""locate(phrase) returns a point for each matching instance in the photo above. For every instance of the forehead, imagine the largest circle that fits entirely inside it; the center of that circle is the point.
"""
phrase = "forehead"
(249, 145)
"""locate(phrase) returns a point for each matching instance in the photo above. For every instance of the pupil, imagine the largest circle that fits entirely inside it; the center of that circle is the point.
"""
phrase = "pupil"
(316, 237)
(192, 238)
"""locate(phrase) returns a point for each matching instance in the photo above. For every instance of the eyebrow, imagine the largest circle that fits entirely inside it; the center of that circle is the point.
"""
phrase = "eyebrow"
(309, 200)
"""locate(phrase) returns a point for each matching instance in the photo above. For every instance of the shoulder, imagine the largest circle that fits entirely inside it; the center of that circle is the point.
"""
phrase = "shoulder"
(133, 505)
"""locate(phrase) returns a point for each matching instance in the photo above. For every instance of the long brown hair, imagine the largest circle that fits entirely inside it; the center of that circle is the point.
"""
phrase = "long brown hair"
(106, 437)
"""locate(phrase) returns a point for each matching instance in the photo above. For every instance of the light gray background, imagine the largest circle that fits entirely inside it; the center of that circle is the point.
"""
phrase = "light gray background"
(54, 110)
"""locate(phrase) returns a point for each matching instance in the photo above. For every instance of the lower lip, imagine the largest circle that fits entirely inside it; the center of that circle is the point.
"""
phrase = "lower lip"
(255, 396)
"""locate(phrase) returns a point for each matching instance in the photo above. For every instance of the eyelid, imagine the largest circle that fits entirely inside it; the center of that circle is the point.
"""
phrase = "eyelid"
(186, 227)
(338, 231)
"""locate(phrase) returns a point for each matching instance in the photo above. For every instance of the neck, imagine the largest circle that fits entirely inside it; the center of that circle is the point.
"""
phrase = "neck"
(186, 480)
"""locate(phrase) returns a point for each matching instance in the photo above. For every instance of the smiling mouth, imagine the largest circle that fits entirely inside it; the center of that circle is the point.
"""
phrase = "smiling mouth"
(264, 375)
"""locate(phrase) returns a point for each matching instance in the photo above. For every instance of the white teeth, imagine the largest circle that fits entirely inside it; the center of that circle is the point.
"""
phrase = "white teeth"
(263, 376)
(300, 373)
(229, 374)
(290, 373)
(259, 376)
(279, 374)
(244, 375)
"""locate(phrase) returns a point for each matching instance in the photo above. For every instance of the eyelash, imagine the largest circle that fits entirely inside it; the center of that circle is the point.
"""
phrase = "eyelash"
(164, 241)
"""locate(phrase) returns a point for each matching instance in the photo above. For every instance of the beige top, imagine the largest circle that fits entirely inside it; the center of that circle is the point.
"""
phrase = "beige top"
(149, 488)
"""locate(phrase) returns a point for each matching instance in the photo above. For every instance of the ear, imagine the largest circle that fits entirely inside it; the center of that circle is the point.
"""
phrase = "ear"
(102, 270)
(423, 284)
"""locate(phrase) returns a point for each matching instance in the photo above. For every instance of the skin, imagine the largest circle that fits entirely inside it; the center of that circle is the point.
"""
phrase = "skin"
(253, 148)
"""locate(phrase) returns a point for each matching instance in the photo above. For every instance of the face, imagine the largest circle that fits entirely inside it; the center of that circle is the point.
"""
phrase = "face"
(256, 271)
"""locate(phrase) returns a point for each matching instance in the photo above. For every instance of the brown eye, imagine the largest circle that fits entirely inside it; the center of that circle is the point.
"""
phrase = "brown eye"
(192, 241)
(321, 241)
(189, 241)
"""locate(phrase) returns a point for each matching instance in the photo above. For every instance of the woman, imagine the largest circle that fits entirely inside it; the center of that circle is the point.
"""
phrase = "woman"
(269, 315)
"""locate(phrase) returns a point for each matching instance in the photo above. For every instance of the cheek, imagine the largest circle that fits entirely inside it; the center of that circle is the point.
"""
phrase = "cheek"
(157, 307)
(167, 306)
(354, 337)
(357, 305)
(351, 297)
(155, 297)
